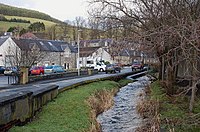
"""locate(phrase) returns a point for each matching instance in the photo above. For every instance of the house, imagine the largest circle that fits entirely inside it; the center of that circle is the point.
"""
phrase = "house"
(28, 52)
(28, 35)
(128, 56)
(93, 54)
(7, 45)
(96, 43)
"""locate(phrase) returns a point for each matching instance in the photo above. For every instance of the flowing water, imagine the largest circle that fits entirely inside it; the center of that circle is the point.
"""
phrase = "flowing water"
(123, 117)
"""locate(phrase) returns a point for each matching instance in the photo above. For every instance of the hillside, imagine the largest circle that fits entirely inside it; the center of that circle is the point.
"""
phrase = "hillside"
(54, 29)
(21, 12)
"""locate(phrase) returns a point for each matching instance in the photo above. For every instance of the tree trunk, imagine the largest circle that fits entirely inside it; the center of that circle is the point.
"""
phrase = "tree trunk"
(192, 96)
(194, 80)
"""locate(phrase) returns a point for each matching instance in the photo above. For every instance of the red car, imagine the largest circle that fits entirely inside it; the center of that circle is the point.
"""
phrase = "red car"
(38, 70)
(137, 65)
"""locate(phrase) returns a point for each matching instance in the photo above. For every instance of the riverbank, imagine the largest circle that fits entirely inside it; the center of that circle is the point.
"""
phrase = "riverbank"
(164, 113)
(70, 110)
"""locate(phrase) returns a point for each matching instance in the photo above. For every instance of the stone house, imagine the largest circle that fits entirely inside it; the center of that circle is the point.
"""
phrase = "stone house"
(127, 57)
(40, 52)
(93, 54)
(96, 43)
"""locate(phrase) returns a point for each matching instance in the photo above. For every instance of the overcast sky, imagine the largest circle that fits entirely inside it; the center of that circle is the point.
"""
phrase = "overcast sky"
(60, 9)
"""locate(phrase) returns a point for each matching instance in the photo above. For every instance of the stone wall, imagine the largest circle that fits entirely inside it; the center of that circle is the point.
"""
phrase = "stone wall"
(19, 107)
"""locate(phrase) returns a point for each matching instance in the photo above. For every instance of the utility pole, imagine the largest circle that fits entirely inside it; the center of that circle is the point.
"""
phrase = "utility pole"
(78, 58)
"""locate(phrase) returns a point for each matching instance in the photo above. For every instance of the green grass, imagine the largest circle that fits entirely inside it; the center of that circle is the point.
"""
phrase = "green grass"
(69, 112)
(4, 26)
(157, 93)
(174, 110)
(32, 20)
(124, 82)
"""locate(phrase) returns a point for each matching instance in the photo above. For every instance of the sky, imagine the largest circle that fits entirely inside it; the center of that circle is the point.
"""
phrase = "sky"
(59, 9)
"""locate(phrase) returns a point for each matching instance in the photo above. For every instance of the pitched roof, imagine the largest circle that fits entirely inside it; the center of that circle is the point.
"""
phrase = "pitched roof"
(2, 40)
(44, 45)
(100, 41)
(127, 52)
(86, 51)
(28, 35)
(73, 49)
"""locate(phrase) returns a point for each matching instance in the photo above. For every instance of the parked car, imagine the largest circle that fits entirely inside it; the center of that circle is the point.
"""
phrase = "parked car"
(53, 69)
(11, 71)
(137, 65)
(112, 68)
(37, 70)
(2, 69)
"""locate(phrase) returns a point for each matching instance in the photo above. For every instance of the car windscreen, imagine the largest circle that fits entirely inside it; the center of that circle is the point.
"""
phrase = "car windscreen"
(49, 67)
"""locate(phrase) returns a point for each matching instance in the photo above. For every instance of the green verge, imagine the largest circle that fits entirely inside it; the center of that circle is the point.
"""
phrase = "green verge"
(69, 112)
(174, 111)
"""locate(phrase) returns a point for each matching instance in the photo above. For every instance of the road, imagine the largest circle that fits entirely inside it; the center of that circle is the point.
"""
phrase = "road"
(63, 82)
(3, 81)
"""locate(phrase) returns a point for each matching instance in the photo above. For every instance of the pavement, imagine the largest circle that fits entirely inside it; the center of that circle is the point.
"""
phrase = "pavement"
(62, 83)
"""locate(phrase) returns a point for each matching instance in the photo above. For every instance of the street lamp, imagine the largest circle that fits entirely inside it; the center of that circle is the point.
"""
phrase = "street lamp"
(78, 58)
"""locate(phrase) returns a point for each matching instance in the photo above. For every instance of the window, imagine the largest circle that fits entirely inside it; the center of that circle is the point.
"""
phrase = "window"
(89, 62)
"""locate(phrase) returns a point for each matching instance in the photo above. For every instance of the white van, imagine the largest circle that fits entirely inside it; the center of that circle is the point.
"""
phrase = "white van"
(100, 66)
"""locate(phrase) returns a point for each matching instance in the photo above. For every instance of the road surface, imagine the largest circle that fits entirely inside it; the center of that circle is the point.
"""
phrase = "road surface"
(63, 82)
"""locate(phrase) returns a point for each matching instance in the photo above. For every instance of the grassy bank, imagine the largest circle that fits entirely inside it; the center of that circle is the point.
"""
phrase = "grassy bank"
(170, 113)
(70, 111)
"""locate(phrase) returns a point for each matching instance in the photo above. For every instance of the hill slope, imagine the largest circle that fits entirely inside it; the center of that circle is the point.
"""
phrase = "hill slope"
(14, 11)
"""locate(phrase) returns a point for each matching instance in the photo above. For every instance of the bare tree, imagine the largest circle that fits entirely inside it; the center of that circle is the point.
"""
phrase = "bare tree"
(24, 57)
(79, 24)
(168, 28)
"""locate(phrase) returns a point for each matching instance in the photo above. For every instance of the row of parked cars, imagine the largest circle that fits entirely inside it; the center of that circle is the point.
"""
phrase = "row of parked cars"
(36, 70)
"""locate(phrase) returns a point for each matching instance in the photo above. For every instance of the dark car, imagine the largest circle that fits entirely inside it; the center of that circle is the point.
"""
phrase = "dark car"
(2, 69)
(137, 65)
(11, 71)
(112, 68)
(37, 70)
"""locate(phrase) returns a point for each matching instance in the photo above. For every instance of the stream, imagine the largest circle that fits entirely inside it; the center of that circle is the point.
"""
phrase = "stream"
(123, 117)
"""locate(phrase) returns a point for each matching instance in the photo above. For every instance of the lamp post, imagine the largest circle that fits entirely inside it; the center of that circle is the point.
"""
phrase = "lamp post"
(78, 58)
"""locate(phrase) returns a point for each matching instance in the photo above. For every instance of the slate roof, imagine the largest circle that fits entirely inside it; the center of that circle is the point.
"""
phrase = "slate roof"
(44, 45)
(2, 40)
(86, 51)
(127, 52)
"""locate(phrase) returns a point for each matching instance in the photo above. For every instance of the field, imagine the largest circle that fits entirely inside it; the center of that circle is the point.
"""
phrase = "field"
(4, 26)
